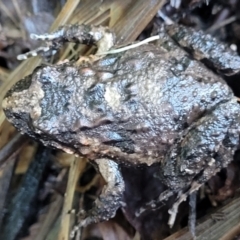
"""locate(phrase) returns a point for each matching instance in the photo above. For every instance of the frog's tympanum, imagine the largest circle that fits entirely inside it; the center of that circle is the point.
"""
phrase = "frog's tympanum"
(150, 104)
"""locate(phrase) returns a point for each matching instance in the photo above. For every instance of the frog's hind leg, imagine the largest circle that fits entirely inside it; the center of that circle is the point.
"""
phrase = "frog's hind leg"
(82, 34)
(206, 48)
(106, 205)
(205, 148)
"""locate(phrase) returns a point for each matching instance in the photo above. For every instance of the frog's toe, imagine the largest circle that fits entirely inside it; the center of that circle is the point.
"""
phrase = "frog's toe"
(36, 52)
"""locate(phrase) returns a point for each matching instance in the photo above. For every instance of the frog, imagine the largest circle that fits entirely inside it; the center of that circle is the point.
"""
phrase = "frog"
(163, 103)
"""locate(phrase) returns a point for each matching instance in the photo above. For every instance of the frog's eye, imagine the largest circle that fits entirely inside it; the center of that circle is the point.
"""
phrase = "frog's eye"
(45, 78)
(61, 68)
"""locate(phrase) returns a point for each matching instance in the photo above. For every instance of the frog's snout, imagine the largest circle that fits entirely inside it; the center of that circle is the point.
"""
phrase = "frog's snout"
(12, 99)
(23, 98)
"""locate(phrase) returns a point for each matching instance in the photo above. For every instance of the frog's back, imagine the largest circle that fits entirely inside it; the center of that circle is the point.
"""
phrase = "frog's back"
(129, 107)
(150, 98)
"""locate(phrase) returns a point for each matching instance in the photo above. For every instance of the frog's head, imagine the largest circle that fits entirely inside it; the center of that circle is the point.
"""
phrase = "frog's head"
(21, 101)
(55, 102)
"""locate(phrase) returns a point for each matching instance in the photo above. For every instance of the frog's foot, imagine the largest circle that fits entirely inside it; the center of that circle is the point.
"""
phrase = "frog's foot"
(87, 60)
(157, 203)
(206, 48)
(43, 51)
(181, 198)
(81, 34)
(164, 196)
(106, 205)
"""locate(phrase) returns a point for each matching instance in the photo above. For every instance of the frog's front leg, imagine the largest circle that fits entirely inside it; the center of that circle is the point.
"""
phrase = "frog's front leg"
(106, 205)
(82, 34)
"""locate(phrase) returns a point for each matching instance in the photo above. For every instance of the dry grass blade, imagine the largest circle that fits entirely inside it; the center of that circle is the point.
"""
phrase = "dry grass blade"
(19, 14)
(6, 132)
(4, 73)
(13, 146)
(65, 14)
(25, 157)
(111, 230)
(77, 167)
(235, 231)
(39, 230)
(101, 12)
(136, 19)
(5, 178)
(7, 12)
(209, 228)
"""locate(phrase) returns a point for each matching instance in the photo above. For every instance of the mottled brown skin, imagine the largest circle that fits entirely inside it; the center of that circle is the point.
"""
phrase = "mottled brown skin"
(150, 104)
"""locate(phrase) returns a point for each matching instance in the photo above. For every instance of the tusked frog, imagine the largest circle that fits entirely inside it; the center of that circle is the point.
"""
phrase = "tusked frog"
(146, 105)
